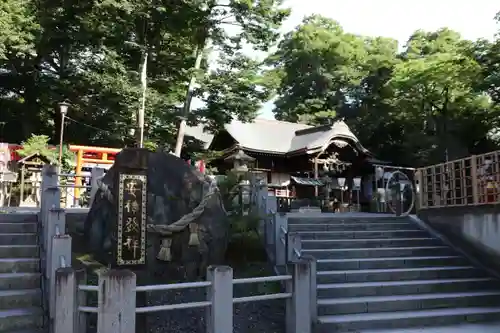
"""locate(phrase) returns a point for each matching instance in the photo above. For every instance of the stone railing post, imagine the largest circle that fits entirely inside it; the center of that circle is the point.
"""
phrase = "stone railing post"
(81, 300)
(50, 196)
(220, 313)
(66, 304)
(293, 247)
(56, 226)
(49, 179)
(298, 307)
(60, 258)
(280, 248)
(95, 174)
(116, 302)
(271, 209)
(314, 287)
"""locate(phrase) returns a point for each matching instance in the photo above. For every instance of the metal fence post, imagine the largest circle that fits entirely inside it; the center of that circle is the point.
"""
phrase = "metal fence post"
(116, 302)
(298, 307)
(66, 306)
(61, 257)
(95, 174)
(220, 314)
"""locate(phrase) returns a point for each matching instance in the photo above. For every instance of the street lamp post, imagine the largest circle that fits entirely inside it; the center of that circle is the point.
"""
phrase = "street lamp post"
(63, 109)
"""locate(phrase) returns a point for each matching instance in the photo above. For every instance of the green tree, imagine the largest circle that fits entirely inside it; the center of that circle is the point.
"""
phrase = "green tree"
(432, 100)
(91, 53)
(18, 28)
(319, 68)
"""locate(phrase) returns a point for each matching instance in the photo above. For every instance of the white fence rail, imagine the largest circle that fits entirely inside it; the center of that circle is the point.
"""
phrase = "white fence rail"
(116, 310)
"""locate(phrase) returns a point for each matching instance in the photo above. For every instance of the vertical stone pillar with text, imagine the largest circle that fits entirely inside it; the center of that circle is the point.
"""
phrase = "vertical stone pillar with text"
(131, 208)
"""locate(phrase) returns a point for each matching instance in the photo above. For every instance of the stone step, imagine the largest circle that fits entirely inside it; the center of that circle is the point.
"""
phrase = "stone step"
(351, 226)
(401, 319)
(388, 288)
(18, 238)
(18, 217)
(22, 298)
(19, 265)
(32, 330)
(363, 234)
(390, 262)
(19, 251)
(368, 243)
(399, 274)
(18, 227)
(21, 319)
(351, 253)
(343, 220)
(353, 305)
(10, 281)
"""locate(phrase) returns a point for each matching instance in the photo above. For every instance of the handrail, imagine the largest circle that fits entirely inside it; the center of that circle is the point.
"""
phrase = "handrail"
(201, 284)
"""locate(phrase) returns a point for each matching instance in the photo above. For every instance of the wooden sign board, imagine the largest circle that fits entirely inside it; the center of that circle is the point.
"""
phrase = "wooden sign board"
(132, 219)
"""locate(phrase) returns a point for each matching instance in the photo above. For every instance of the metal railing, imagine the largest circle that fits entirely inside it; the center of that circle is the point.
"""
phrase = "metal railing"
(474, 180)
(116, 311)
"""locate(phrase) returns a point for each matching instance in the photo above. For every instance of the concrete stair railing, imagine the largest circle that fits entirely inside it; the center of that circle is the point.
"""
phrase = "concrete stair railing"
(386, 272)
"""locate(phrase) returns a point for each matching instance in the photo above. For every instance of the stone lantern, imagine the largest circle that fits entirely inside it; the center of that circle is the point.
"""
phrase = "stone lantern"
(242, 163)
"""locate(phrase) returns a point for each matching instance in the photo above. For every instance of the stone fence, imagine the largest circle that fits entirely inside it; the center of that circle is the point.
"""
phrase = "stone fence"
(65, 292)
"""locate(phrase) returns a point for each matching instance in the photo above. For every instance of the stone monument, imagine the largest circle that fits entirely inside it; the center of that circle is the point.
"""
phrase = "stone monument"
(165, 219)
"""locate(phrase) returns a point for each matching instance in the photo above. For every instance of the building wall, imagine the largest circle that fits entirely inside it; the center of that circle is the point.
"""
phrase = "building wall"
(279, 178)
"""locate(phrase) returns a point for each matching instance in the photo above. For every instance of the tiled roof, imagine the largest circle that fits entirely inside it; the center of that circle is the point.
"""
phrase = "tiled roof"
(281, 137)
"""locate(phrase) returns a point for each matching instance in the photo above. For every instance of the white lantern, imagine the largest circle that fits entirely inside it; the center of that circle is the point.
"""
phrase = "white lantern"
(341, 182)
(356, 182)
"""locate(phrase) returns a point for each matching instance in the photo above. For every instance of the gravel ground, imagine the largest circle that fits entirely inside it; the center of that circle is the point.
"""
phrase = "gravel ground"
(253, 317)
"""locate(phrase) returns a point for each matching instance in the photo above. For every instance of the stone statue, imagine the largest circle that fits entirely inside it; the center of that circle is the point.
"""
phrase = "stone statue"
(186, 221)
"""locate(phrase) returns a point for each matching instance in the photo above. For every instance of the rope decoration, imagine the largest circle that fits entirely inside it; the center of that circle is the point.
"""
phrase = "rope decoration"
(165, 253)
(194, 239)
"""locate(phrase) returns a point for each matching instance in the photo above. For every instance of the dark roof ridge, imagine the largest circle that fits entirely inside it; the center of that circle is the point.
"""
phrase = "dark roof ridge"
(309, 130)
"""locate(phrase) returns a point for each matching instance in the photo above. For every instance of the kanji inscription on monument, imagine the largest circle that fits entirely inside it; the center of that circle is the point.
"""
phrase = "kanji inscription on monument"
(131, 240)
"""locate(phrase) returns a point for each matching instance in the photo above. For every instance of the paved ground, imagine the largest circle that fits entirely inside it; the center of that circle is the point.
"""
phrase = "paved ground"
(469, 328)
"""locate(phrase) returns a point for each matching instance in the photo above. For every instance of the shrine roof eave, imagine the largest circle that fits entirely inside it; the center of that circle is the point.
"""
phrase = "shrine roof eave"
(236, 147)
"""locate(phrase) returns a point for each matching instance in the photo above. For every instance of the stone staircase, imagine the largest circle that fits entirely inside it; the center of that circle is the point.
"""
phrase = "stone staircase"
(20, 293)
(386, 273)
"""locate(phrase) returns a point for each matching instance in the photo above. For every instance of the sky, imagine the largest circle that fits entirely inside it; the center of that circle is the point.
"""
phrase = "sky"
(398, 19)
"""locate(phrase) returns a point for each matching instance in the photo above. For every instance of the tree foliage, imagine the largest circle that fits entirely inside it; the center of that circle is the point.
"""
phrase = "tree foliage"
(91, 54)
(435, 98)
